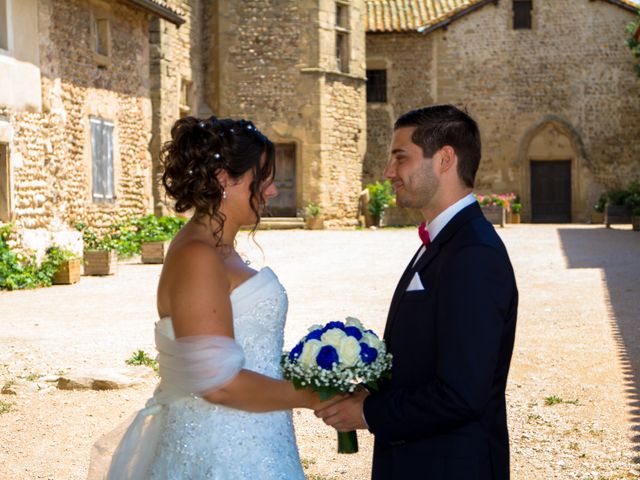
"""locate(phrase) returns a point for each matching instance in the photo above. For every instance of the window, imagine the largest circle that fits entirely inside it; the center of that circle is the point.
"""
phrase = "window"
(100, 38)
(5, 185)
(342, 37)
(185, 98)
(376, 86)
(522, 14)
(4, 25)
(103, 189)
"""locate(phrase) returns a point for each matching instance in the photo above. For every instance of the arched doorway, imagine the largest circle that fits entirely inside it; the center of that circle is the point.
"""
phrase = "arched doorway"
(550, 154)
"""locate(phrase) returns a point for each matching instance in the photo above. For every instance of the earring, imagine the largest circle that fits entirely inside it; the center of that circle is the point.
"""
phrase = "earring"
(224, 194)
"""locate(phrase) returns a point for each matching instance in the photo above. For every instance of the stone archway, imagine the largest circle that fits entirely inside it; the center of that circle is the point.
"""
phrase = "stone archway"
(551, 157)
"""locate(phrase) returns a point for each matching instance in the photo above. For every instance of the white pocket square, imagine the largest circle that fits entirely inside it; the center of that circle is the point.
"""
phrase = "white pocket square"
(415, 284)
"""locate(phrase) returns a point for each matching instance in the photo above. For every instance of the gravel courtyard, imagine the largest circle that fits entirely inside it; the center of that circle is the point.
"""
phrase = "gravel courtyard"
(573, 394)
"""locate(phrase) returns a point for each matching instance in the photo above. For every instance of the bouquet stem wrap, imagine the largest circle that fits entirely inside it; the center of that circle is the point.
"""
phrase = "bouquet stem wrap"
(348, 442)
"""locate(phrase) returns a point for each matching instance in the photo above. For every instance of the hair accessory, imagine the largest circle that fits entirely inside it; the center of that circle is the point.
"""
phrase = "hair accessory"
(190, 172)
(232, 130)
(203, 124)
(216, 156)
(250, 127)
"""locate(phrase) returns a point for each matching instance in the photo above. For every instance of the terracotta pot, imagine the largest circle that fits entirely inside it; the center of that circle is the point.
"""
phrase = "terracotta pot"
(597, 218)
(515, 217)
(314, 223)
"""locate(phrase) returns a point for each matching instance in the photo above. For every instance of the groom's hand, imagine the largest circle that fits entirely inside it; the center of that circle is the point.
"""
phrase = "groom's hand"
(345, 415)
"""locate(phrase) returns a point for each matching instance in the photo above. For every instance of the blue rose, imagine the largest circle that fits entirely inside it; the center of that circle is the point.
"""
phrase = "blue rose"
(295, 353)
(315, 335)
(353, 332)
(331, 325)
(368, 354)
(327, 356)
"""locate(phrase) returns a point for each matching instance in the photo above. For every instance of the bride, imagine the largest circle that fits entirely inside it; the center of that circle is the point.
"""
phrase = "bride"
(222, 410)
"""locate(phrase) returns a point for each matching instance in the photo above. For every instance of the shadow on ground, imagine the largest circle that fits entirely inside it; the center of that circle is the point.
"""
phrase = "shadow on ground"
(617, 253)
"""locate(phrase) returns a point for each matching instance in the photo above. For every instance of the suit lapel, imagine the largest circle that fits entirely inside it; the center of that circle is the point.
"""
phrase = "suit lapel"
(465, 215)
(405, 279)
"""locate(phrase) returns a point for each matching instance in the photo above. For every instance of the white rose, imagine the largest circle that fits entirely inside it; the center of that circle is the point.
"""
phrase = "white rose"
(371, 340)
(349, 351)
(333, 337)
(353, 322)
(310, 352)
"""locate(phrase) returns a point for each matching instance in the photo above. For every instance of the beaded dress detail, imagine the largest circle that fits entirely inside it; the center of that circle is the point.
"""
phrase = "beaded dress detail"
(184, 437)
(202, 440)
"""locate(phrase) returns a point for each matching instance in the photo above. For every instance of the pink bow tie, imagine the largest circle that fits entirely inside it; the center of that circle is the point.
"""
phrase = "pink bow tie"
(424, 234)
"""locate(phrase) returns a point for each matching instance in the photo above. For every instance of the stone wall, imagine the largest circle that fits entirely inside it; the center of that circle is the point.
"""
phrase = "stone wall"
(408, 60)
(570, 74)
(50, 152)
(274, 63)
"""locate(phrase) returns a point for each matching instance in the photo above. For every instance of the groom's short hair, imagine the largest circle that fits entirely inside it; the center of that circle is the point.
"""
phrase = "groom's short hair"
(441, 125)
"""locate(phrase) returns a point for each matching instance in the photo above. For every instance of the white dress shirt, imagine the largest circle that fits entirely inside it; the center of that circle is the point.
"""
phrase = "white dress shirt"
(434, 228)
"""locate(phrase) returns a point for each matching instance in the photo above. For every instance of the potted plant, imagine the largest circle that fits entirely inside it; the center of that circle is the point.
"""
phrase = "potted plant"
(66, 266)
(99, 257)
(597, 216)
(633, 204)
(635, 218)
(313, 219)
(616, 211)
(516, 208)
(380, 197)
(493, 208)
(155, 234)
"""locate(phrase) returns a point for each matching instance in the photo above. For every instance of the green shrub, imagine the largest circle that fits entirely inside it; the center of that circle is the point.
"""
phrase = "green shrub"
(19, 271)
(313, 209)
(601, 203)
(380, 197)
(126, 237)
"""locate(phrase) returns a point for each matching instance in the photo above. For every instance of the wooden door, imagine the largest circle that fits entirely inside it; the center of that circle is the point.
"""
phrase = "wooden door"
(284, 205)
(5, 193)
(551, 191)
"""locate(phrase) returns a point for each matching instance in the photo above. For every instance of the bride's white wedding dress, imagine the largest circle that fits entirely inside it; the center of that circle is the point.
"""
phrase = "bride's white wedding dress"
(180, 436)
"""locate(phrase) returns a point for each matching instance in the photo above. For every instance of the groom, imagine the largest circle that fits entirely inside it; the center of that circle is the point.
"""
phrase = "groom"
(451, 324)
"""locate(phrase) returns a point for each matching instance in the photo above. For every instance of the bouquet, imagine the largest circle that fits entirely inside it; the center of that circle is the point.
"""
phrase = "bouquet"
(337, 358)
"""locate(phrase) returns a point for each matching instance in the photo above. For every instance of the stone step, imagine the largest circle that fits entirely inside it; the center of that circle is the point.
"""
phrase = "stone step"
(281, 223)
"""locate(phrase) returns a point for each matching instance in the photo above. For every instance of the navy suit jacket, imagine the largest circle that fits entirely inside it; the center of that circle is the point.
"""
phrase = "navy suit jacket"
(443, 413)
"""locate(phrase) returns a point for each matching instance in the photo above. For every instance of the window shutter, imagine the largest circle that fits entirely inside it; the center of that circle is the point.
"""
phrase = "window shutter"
(103, 188)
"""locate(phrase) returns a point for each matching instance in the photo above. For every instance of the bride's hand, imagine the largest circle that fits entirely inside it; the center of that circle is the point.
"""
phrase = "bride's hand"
(317, 404)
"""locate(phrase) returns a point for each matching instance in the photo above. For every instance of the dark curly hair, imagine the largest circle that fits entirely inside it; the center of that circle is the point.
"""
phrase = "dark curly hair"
(199, 149)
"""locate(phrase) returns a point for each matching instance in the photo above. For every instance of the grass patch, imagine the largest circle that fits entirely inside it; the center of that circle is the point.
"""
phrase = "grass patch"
(307, 462)
(5, 407)
(141, 358)
(8, 384)
(533, 417)
(555, 400)
(32, 377)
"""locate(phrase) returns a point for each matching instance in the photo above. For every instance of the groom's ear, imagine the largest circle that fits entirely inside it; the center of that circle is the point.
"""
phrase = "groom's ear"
(448, 159)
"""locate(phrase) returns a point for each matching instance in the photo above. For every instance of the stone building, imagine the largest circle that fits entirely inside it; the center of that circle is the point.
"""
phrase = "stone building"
(296, 68)
(75, 110)
(550, 82)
